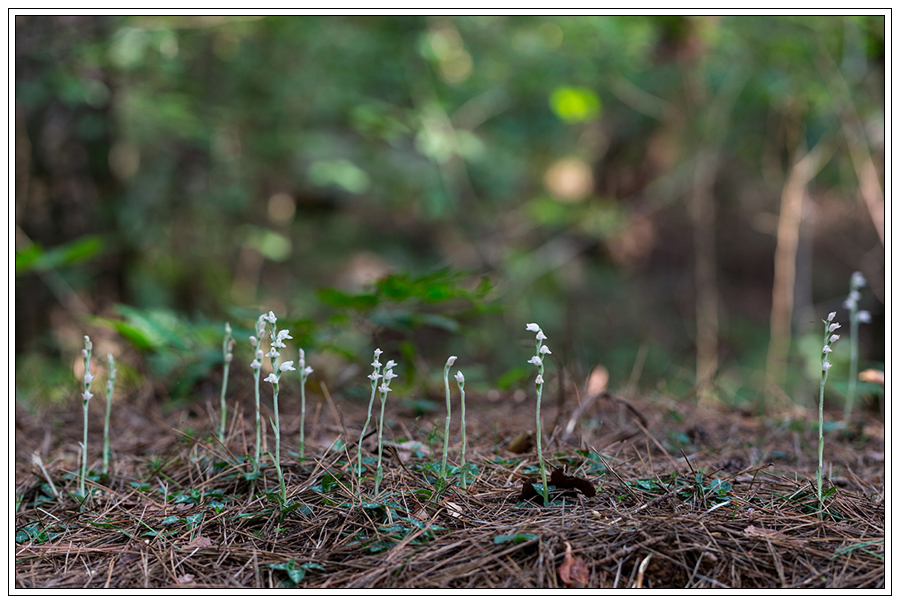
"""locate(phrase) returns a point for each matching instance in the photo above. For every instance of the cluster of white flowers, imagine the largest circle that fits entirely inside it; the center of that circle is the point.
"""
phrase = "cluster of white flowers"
(88, 376)
(857, 281)
(541, 350)
(830, 338)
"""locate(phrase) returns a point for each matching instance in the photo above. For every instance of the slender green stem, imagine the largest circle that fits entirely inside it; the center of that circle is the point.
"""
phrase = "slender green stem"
(364, 430)
(821, 441)
(227, 344)
(110, 386)
(84, 453)
(302, 414)
(379, 473)
(854, 365)
(463, 465)
(540, 389)
(443, 476)
(277, 429)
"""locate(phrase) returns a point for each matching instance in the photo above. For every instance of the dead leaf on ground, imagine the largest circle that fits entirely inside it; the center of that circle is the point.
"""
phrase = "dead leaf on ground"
(521, 443)
(198, 542)
(562, 481)
(573, 571)
(598, 381)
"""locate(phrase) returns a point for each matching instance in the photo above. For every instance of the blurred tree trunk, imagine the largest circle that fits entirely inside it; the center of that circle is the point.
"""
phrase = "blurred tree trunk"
(788, 237)
(713, 125)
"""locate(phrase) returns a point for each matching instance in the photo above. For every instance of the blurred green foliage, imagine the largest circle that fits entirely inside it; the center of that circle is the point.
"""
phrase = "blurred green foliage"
(432, 183)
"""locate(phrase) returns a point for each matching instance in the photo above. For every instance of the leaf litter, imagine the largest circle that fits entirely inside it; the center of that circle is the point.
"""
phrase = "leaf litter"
(630, 506)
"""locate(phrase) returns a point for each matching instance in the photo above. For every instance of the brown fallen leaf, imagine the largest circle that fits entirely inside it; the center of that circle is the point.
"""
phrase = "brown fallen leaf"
(523, 442)
(872, 375)
(573, 571)
(560, 480)
(198, 542)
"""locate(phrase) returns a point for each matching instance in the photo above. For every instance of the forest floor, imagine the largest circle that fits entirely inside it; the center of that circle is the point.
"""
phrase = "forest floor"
(649, 492)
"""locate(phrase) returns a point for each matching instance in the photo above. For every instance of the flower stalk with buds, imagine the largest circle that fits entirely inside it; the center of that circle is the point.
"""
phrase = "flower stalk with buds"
(304, 373)
(110, 385)
(256, 365)
(277, 343)
(442, 479)
(464, 471)
(857, 316)
(537, 360)
(373, 377)
(383, 389)
(830, 338)
(86, 396)
(227, 356)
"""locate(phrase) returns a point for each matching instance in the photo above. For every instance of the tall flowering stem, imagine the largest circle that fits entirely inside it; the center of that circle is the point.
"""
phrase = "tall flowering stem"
(383, 389)
(830, 338)
(110, 386)
(256, 365)
(464, 471)
(442, 479)
(227, 356)
(857, 316)
(374, 377)
(277, 343)
(305, 370)
(537, 360)
(86, 396)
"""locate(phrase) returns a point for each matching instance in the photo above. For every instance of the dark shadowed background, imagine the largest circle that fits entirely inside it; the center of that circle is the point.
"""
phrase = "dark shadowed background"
(680, 200)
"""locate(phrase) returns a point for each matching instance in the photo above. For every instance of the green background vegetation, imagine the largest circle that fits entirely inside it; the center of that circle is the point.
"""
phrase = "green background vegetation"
(429, 185)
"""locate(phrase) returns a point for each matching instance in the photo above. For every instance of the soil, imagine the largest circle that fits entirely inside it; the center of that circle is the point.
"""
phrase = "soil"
(685, 496)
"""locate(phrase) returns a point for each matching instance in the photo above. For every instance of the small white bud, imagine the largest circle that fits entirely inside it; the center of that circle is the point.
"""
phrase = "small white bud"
(536, 361)
(270, 317)
(88, 378)
(539, 379)
(374, 376)
(84, 353)
(228, 357)
(834, 326)
(272, 378)
(533, 327)
(384, 388)
(826, 366)
(377, 364)
(834, 338)
(287, 366)
(826, 349)
(460, 378)
(377, 353)
(307, 371)
(857, 280)
(389, 375)
(390, 364)
(450, 361)
(864, 316)
(832, 315)
(86, 396)
(284, 335)
(545, 350)
(540, 336)
(255, 364)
